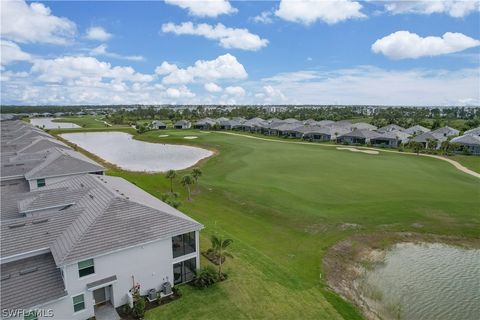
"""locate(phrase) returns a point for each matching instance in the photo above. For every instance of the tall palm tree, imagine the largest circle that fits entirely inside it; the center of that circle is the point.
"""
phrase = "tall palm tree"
(196, 174)
(187, 181)
(171, 174)
(220, 248)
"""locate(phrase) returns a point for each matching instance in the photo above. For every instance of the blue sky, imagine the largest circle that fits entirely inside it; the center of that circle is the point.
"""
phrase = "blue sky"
(241, 52)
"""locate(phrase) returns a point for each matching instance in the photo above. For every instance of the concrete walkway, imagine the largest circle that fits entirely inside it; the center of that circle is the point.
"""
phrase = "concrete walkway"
(452, 162)
(106, 312)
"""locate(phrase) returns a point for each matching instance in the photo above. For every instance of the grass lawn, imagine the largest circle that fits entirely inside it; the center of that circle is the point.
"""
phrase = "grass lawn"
(284, 206)
(87, 121)
(471, 162)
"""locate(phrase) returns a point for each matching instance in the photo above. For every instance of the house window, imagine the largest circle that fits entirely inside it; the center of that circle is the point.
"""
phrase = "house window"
(78, 303)
(32, 315)
(184, 271)
(183, 244)
(40, 183)
(85, 268)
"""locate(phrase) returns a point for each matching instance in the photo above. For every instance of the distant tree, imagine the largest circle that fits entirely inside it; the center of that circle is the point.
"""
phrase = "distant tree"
(187, 181)
(196, 174)
(171, 174)
(220, 247)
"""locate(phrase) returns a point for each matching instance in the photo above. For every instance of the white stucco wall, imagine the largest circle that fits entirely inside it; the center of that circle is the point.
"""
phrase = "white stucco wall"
(150, 264)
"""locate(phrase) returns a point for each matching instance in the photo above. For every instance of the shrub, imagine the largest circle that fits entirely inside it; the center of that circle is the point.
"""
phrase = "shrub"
(205, 277)
(138, 305)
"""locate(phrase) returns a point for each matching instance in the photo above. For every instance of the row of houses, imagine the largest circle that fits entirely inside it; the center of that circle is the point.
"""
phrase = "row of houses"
(75, 241)
(344, 132)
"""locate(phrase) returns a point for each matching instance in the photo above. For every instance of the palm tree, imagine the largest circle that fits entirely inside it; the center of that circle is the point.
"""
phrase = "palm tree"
(196, 173)
(171, 174)
(220, 248)
(187, 181)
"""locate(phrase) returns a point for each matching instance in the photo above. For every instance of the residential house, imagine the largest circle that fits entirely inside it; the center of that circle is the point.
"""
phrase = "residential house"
(416, 130)
(468, 143)
(157, 124)
(475, 131)
(182, 124)
(363, 126)
(386, 139)
(390, 128)
(445, 132)
(317, 133)
(358, 137)
(205, 124)
(427, 138)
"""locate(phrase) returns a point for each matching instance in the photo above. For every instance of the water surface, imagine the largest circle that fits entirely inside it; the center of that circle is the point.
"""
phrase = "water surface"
(426, 281)
(122, 150)
(47, 123)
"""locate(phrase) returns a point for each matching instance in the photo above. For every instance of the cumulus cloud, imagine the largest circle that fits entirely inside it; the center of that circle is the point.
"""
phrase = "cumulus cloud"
(11, 52)
(212, 87)
(223, 67)
(271, 95)
(310, 11)
(34, 23)
(235, 91)
(98, 33)
(376, 86)
(404, 45)
(207, 8)
(180, 92)
(265, 17)
(227, 37)
(454, 8)
(72, 68)
(101, 50)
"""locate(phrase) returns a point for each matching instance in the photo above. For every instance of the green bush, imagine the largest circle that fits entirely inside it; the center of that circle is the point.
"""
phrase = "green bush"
(138, 306)
(205, 277)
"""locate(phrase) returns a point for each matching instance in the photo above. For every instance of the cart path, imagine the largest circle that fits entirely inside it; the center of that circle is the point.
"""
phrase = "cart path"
(452, 162)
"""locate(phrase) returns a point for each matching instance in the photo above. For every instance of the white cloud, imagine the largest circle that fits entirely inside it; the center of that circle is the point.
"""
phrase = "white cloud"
(165, 68)
(235, 91)
(454, 8)
(34, 23)
(83, 69)
(296, 76)
(205, 8)
(270, 95)
(101, 50)
(223, 67)
(98, 33)
(212, 87)
(265, 17)
(11, 52)
(370, 85)
(309, 11)
(228, 37)
(404, 45)
(180, 92)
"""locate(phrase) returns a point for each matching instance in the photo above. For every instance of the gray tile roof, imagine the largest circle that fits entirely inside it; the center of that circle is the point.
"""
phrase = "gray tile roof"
(390, 127)
(416, 129)
(446, 131)
(424, 137)
(467, 139)
(30, 282)
(63, 162)
(475, 131)
(363, 126)
(366, 134)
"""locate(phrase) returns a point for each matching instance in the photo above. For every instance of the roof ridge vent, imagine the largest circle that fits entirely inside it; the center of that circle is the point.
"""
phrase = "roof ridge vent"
(17, 225)
(91, 196)
(39, 221)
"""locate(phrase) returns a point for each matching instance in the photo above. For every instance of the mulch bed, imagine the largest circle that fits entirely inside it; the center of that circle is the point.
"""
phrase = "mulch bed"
(210, 255)
(148, 305)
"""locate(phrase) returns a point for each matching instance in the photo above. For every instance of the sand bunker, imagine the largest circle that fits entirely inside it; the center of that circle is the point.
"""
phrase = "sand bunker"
(163, 136)
(358, 150)
(190, 137)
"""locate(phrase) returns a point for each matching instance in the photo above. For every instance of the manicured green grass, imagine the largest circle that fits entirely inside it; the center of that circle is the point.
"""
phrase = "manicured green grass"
(86, 121)
(471, 162)
(284, 206)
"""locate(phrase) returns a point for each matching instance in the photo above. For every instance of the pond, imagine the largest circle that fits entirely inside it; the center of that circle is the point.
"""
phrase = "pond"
(121, 149)
(425, 281)
(47, 123)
